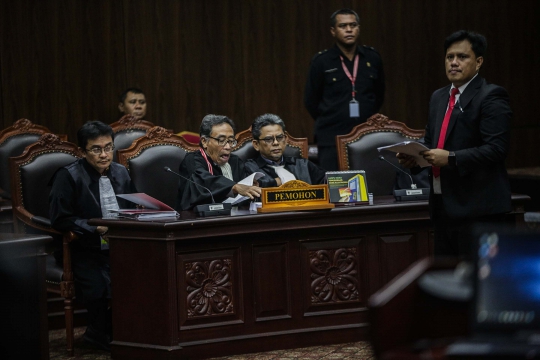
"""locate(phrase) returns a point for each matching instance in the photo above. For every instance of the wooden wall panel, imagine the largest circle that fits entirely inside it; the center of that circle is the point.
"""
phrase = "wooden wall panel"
(60, 61)
(63, 63)
(188, 59)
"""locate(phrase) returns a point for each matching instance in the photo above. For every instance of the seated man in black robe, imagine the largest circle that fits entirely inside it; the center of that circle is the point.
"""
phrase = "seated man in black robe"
(83, 190)
(270, 140)
(213, 167)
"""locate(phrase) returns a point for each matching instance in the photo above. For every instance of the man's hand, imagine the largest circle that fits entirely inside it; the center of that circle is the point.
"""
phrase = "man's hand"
(407, 161)
(436, 157)
(102, 230)
(245, 190)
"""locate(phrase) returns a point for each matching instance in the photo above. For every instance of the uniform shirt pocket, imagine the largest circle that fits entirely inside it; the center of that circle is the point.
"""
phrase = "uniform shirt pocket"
(334, 77)
(371, 74)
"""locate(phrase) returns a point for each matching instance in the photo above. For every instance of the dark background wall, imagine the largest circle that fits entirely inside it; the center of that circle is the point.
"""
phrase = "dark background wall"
(65, 62)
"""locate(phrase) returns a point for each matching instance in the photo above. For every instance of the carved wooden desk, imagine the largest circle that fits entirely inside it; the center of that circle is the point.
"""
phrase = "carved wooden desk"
(228, 285)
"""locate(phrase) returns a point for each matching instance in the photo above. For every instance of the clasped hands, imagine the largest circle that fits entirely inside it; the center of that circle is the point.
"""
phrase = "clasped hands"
(436, 157)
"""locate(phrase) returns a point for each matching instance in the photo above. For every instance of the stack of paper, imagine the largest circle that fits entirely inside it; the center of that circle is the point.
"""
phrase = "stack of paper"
(153, 208)
(412, 148)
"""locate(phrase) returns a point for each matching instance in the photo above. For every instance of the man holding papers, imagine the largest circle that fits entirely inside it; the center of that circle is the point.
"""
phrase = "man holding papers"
(83, 190)
(468, 134)
(214, 172)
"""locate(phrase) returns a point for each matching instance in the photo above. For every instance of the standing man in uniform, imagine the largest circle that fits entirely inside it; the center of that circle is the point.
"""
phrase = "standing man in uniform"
(468, 132)
(345, 86)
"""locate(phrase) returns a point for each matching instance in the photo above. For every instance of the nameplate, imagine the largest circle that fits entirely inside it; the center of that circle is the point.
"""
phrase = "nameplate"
(293, 196)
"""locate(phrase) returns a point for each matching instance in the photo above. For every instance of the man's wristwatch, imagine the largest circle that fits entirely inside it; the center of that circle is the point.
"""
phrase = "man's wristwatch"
(452, 159)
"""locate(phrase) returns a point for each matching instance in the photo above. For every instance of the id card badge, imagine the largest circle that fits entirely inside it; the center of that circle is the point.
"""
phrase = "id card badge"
(354, 109)
(104, 244)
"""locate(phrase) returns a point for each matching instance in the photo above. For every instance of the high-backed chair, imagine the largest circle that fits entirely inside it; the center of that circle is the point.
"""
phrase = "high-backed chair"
(297, 147)
(190, 136)
(30, 176)
(13, 141)
(126, 130)
(358, 150)
(147, 157)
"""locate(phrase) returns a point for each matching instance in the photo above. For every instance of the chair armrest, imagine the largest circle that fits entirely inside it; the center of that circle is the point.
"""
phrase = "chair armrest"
(41, 220)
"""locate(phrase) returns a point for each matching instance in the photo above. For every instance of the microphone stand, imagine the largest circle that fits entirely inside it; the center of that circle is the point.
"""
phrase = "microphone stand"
(408, 194)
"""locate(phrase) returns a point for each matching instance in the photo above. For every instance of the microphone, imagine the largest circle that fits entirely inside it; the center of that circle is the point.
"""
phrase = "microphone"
(206, 209)
(166, 168)
(413, 185)
(408, 194)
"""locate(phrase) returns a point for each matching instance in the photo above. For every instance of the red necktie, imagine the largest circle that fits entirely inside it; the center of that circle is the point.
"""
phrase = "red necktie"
(437, 170)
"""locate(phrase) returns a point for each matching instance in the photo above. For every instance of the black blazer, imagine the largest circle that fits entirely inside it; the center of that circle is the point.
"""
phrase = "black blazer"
(479, 134)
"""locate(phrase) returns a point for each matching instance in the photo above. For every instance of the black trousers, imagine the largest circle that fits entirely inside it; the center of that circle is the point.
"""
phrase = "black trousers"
(92, 279)
(455, 237)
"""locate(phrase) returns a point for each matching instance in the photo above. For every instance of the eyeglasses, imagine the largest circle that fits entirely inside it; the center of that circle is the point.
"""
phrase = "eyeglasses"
(270, 139)
(99, 150)
(223, 141)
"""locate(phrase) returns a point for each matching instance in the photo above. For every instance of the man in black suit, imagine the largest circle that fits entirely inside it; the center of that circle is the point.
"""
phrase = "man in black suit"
(468, 133)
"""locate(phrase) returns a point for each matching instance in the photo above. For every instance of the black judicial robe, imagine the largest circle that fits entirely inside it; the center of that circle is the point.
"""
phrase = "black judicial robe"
(302, 169)
(74, 199)
(195, 168)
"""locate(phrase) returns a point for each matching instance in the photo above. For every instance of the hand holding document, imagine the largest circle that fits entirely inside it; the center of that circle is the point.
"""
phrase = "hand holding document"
(248, 181)
(411, 148)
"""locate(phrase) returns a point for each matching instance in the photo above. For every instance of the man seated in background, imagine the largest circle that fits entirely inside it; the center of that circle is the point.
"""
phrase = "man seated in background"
(133, 102)
(270, 140)
(213, 167)
(83, 190)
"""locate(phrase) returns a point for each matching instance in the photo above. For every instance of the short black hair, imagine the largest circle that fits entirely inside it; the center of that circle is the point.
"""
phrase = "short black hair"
(343, 12)
(478, 41)
(265, 120)
(134, 90)
(92, 130)
(211, 120)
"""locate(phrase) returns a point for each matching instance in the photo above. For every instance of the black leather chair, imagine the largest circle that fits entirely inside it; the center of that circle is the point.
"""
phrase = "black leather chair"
(147, 157)
(296, 147)
(30, 176)
(13, 141)
(126, 130)
(358, 150)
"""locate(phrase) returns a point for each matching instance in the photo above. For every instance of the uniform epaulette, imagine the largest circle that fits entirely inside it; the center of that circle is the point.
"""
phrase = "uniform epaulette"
(319, 53)
(370, 48)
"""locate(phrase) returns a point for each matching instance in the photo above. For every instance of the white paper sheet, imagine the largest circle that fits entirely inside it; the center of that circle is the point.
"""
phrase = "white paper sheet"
(412, 148)
(246, 181)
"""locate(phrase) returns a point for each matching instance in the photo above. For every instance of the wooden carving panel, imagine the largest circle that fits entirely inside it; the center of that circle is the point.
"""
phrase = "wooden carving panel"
(209, 288)
(334, 275)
